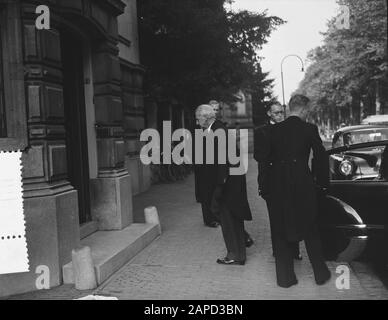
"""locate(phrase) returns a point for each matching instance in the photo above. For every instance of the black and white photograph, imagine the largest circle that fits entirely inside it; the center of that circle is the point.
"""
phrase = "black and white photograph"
(207, 152)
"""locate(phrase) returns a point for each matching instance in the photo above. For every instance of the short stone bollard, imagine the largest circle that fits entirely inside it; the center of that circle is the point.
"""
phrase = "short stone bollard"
(83, 268)
(151, 216)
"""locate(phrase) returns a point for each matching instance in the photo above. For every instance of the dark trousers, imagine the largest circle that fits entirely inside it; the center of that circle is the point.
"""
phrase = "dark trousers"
(234, 234)
(208, 215)
(284, 258)
(295, 245)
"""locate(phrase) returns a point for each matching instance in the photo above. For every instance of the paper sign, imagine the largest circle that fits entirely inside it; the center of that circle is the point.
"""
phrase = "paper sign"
(13, 245)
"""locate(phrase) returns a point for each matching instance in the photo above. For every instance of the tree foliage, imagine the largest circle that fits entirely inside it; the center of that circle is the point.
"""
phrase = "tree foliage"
(196, 50)
(352, 63)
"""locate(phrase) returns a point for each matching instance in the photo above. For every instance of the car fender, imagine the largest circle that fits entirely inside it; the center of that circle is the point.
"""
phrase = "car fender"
(347, 209)
(349, 228)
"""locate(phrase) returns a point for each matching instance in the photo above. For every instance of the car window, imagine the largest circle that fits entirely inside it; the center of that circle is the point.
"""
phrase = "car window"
(361, 164)
(366, 135)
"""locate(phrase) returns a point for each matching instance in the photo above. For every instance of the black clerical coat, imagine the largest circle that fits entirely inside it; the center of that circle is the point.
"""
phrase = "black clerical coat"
(291, 188)
(261, 138)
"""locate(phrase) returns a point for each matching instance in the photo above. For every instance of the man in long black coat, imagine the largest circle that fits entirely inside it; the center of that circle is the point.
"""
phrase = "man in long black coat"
(217, 109)
(291, 190)
(210, 219)
(261, 134)
(226, 194)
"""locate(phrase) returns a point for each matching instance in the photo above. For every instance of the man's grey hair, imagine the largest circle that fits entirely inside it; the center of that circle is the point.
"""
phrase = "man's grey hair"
(206, 110)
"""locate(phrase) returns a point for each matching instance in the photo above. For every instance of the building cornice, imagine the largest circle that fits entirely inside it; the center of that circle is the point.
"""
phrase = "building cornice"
(132, 66)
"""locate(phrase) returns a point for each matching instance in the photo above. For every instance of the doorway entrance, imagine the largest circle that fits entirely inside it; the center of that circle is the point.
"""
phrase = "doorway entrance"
(75, 121)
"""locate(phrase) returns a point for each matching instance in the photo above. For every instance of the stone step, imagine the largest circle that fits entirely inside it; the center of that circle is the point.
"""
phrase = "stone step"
(112, 249)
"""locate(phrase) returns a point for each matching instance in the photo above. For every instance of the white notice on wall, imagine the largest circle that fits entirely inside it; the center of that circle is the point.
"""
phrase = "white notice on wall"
(13, 245)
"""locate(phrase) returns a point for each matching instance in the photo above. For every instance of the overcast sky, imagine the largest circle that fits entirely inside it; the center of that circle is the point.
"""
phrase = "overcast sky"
(306, 18)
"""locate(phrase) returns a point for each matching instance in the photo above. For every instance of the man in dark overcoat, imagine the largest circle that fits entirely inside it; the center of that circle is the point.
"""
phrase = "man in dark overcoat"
(292, 190)
(217, 109)
(224, 193)
(210, 218)
(261, 135)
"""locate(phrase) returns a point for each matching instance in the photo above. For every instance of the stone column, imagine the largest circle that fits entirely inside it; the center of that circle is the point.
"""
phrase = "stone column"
(111, 190)
(134, 123)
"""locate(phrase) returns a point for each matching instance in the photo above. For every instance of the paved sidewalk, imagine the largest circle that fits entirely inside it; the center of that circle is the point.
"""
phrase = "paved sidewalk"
(181, 263)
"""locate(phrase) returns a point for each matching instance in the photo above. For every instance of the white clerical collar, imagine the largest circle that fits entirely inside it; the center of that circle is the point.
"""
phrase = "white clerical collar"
(272, 122)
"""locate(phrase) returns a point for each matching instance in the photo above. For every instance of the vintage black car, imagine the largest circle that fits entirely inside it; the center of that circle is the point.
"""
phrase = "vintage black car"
(353, 215)
(362, 163)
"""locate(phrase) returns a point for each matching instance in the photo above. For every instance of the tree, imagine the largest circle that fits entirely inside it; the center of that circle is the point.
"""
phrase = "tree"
(350, 69)
(195, 51)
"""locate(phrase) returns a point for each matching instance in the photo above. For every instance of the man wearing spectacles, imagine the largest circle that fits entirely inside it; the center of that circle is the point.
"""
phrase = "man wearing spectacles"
(217, 108)
(275, 115)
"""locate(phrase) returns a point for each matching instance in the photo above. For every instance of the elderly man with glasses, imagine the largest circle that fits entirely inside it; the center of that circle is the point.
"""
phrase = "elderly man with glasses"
(275, 115)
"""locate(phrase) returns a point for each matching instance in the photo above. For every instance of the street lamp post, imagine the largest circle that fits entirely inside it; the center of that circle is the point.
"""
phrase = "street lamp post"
(281, 68)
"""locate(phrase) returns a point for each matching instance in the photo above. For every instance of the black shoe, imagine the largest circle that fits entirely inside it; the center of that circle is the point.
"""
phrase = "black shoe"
(213, 224)
(288, 285)
(248, 242)
(230, 261)
(323, 281)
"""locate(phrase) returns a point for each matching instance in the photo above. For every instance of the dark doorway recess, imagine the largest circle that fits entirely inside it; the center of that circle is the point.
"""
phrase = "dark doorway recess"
(75, 121)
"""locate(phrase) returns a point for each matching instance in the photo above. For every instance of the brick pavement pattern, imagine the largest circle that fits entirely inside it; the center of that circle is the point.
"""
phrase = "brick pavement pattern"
(181, 263)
